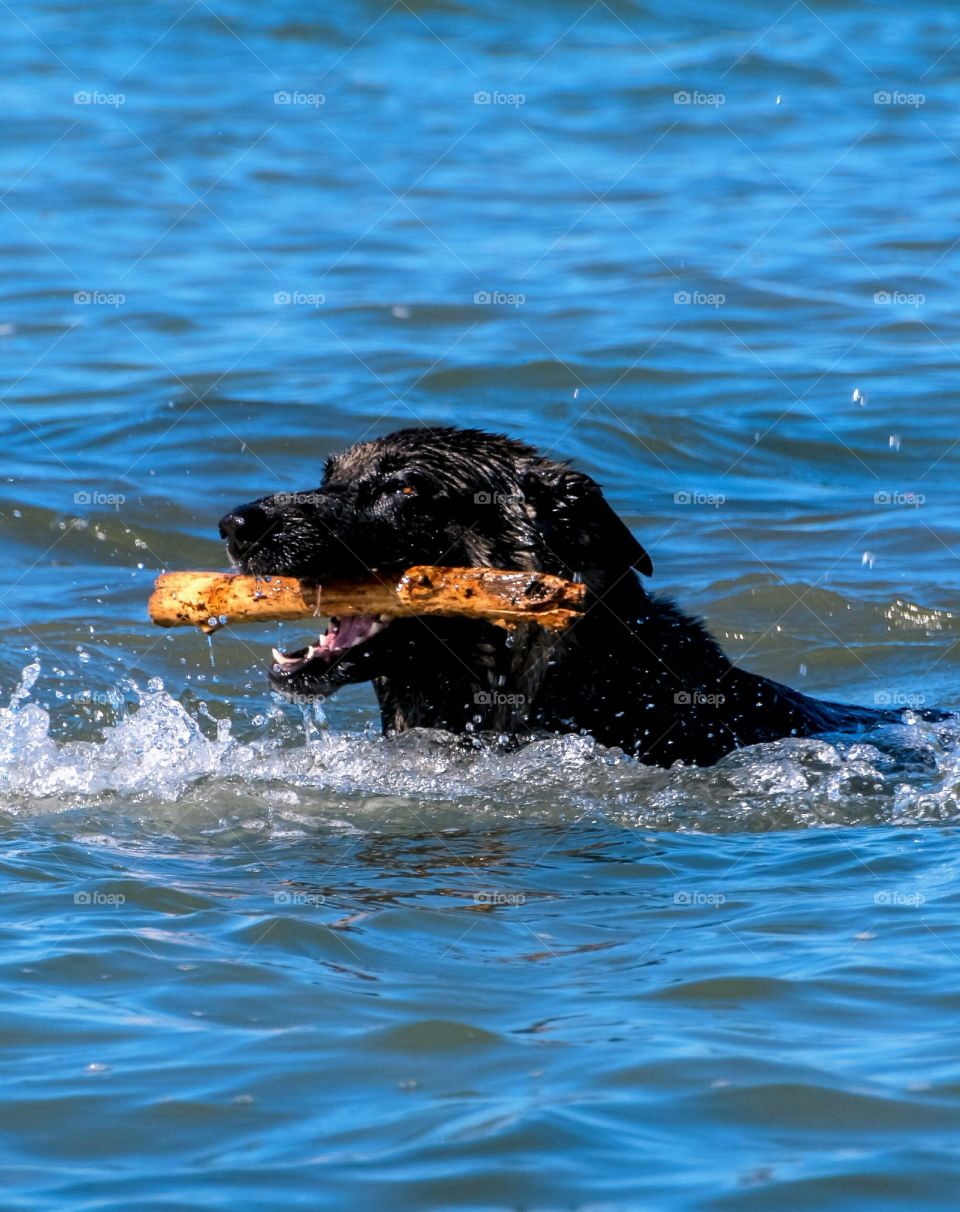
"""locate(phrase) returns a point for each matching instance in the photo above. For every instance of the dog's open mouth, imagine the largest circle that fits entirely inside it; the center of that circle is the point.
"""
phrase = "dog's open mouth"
(342, 636)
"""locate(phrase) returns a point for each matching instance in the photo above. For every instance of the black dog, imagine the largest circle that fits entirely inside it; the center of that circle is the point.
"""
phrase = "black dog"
(634, 672)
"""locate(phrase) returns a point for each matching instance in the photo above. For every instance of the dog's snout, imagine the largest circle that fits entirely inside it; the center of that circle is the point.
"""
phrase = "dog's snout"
(229, 524)
(243, 526)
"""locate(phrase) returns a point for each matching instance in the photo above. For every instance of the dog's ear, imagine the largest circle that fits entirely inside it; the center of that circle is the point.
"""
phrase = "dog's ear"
(576, 522)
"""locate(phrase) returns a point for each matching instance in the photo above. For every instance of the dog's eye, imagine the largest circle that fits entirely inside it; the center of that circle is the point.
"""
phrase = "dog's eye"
(395, 488)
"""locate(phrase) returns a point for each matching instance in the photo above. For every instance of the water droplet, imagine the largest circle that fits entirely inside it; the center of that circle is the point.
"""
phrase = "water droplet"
(894, 441)
(867, 559)
(858, 397)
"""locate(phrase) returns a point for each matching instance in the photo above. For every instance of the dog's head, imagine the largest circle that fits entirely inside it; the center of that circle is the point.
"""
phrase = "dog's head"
(454, 497)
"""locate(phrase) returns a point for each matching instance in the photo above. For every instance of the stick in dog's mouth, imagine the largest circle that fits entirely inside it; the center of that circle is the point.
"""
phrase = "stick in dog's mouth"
(360, 609)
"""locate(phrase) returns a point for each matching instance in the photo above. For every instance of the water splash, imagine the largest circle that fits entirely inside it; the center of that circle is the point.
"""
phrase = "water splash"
(160, 752)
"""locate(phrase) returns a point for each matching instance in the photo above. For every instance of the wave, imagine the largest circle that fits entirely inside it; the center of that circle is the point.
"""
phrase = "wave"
(160, 752)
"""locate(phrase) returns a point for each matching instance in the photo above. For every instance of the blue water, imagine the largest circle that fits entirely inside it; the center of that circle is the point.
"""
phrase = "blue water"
(261, 958)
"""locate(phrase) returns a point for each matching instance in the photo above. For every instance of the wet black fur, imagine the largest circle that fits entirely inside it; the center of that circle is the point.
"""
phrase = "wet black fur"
(634, 672)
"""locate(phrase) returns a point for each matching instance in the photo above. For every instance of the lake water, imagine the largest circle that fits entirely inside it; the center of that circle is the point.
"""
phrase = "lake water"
(256, 958)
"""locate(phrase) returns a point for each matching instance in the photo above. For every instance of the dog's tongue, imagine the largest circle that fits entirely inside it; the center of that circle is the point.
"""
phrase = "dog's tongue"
(354, 629)
(341, 635)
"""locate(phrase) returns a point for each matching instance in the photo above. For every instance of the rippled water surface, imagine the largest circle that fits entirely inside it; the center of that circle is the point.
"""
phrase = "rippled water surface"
(261, 958)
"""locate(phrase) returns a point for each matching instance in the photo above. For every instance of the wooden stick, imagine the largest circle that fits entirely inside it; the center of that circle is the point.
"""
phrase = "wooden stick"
(211, 600)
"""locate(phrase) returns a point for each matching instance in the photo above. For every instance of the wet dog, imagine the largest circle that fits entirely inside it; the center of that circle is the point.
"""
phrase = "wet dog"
(633, 672)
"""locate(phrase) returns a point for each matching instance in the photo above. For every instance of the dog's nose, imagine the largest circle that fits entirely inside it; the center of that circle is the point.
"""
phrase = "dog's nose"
(244, 525)
(228, 525)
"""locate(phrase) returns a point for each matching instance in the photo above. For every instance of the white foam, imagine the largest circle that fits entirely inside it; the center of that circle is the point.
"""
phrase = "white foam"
(157, 751)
